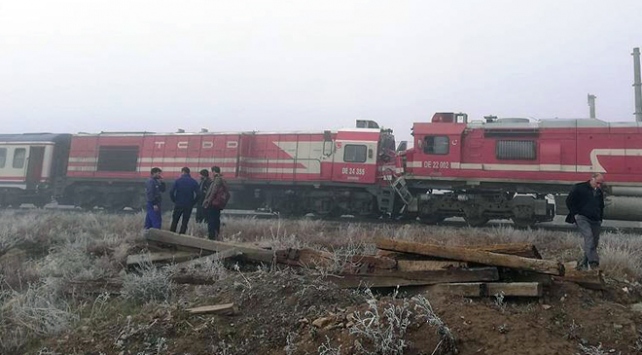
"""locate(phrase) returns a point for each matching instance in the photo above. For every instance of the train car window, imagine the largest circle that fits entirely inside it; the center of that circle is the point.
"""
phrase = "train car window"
(3, 157)
(439, 145)
(353, 153)
(516, 150)
(19, 156)
(117, 158)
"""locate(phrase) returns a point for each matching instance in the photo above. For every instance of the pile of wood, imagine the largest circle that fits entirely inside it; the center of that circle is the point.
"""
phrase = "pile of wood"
(472, 271)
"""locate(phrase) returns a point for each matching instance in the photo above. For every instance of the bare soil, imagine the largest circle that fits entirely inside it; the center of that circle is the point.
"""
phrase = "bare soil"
(277, 309)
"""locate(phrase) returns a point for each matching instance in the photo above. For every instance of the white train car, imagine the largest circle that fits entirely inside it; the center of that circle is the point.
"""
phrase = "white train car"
(30, 165)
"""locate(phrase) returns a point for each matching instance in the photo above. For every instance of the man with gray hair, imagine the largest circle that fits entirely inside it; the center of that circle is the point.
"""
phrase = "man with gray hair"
(585, 204)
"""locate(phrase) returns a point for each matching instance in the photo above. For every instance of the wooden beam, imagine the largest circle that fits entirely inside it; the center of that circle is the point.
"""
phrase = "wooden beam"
(249, 253)
(465, 289)
(226, 309)
(474, 256)
(351, 264)
(525, 250)
(226, 254)
(428, 265)
(396, 278)
(160, 257)
(591, 279)
(485, 289)
(514, 289)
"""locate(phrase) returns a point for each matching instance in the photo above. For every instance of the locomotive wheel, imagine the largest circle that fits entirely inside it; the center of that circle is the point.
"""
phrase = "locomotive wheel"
(473, 215)
(476, 221)
(523, 222)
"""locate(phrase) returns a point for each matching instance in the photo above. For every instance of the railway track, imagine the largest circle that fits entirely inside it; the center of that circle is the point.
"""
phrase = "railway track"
(557, 225)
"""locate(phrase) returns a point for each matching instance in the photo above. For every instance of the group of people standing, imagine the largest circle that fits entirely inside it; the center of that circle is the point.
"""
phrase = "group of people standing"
(209, 195)
(585, 203)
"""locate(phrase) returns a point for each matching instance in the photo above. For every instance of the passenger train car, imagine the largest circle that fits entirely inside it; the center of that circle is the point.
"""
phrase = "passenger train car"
(30, 167)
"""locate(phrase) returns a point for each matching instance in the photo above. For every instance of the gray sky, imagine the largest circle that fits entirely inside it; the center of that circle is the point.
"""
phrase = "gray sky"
(85, 65)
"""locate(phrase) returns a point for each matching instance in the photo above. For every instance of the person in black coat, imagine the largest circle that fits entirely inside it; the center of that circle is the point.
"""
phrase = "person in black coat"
(585, 204)
(204, 185)
(184, 194)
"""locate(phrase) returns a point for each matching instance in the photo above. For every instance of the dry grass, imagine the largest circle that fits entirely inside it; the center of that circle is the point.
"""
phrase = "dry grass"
(42, 251)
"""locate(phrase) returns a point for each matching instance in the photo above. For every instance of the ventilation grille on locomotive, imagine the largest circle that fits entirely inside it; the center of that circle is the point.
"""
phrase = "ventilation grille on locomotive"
(516, 150)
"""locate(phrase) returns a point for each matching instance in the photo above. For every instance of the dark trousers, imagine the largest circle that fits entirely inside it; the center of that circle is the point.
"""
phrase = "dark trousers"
(153, 218)
(213, 222)
(201, 216)
(186, 212)
(590, 232)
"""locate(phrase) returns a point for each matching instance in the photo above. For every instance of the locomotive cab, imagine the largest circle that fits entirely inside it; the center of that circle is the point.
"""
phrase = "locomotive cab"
(437, 144)
(360, 152)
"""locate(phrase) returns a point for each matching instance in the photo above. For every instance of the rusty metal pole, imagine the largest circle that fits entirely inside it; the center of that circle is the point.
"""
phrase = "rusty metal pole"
(637, 84)
(591, 103)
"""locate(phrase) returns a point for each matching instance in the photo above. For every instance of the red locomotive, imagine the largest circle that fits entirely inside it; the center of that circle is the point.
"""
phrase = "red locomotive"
(327, 172)
(510, 168)
(498, 169)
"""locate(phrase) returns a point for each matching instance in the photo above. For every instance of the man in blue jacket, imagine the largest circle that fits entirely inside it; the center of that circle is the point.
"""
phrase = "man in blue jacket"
(184, 193)
(154, 189)
(585, 204)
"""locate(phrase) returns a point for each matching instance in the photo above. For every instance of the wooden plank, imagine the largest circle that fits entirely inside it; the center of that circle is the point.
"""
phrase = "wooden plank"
(395, 278)
(226, 309)
(525, 250)
(514, 289)
(591, 279)
(485, 289)
(474, 256)
(249, 253)
(225, 254)
(160, 257)
(513, 275)
(464, 289)
(428, 265)
(316, 258)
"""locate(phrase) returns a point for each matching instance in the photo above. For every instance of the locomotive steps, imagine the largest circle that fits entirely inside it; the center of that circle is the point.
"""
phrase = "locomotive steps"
(515, 269)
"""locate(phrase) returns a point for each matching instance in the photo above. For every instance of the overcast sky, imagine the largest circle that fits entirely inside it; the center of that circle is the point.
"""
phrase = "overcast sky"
(70, 66)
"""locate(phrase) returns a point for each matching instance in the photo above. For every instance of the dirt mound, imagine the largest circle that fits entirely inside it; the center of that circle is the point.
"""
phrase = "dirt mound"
(290, 312)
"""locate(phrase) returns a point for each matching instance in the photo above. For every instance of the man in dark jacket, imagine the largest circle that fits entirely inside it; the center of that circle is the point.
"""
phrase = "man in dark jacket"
(184, 194)
(203, 186)
(585, 203)
(154, 189)
(212, 211)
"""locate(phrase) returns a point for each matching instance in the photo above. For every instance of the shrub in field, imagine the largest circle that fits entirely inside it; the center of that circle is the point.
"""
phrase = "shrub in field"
(39, 311)
(152, 285)
(208, 267)
(71, 262)
(383, 331)
(621, 255)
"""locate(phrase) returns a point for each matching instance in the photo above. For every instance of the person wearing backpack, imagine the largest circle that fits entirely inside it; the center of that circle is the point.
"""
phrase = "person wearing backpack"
(203, 186)
(215, 200)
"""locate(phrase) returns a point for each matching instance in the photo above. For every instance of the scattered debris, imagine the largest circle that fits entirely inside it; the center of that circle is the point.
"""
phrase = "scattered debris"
(224, 309)
(469, 271)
